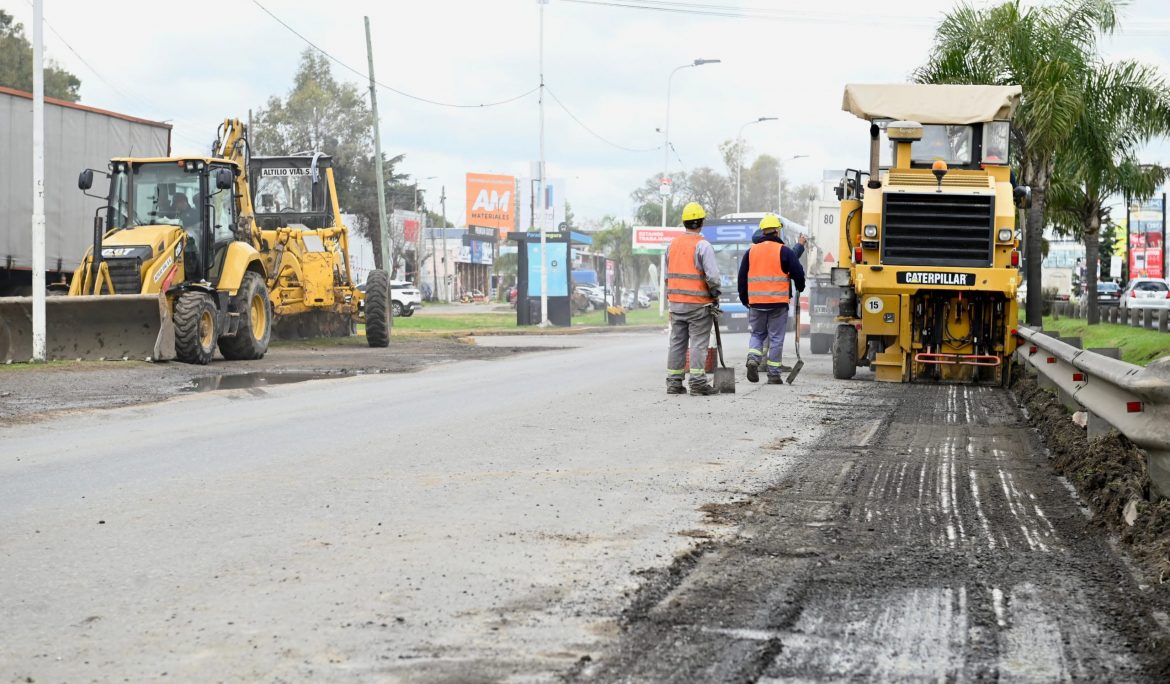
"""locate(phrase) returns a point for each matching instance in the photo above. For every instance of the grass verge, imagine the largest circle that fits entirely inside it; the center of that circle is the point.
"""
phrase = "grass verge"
(1137, 345)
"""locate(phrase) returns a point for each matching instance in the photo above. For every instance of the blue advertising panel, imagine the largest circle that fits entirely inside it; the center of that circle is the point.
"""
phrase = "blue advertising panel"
(557, 261)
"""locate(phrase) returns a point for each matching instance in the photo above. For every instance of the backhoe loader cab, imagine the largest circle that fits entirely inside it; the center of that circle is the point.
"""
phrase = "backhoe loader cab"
(928, 258)
(170, 234)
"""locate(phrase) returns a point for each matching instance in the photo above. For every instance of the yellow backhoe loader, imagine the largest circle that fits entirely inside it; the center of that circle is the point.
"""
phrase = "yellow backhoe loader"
(179, 265)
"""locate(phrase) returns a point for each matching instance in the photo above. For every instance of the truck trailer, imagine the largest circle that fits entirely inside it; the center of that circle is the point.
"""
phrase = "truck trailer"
(76, 137)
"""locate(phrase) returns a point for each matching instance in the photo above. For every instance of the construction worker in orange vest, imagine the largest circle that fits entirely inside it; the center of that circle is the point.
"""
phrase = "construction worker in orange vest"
(767, 273)
(692, 288)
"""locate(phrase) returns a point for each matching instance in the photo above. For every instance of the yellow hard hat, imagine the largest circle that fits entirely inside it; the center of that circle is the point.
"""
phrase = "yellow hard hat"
(770, 222)
(693, 212)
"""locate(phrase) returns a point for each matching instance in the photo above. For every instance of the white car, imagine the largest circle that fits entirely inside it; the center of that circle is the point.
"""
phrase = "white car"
(1146, 293)
(404, 298)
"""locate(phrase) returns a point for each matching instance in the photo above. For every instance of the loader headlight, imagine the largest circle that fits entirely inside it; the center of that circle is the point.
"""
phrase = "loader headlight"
(870, 231)
(1005, 234)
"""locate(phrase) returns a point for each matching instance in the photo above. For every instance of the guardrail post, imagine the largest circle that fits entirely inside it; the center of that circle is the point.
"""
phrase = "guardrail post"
(1134, 318)
(1163, 319)
(1097, 425)
(1073, 342)
(1147, 318)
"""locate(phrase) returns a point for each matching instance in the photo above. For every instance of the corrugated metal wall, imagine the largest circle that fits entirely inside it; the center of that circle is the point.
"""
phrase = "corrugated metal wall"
(74, 139)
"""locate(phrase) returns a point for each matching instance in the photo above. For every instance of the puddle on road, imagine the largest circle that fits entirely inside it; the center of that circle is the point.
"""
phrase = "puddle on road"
(235, 381)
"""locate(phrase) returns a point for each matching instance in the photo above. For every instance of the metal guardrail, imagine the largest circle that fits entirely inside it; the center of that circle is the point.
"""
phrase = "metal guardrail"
(1150, 319)
(1131, 399)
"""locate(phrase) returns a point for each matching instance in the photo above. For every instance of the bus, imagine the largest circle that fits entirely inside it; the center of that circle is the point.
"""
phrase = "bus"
(731, 236)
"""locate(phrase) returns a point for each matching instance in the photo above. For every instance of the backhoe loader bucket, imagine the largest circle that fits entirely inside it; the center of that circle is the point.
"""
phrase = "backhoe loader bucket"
(90, 328)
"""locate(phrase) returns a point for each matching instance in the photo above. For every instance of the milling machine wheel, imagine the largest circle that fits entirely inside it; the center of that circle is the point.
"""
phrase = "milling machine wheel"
(845, 352)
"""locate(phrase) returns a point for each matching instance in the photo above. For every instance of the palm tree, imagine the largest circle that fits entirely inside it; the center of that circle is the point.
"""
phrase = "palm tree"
(1124, 105)
(1046, 50)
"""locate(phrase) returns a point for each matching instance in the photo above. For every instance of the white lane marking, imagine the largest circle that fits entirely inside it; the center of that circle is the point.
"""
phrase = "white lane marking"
(997, 604)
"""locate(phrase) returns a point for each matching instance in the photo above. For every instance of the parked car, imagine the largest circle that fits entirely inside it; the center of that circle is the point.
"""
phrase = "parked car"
(1146, 293)
(635, 300)
(404, 298)
(1108, 294)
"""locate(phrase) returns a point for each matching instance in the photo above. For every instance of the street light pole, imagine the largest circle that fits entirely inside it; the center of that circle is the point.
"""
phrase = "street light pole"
(664, 193)
(739, 154)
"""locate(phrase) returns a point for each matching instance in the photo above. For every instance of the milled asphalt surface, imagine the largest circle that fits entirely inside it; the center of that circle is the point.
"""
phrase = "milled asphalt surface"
(924, 537)
(480, 520)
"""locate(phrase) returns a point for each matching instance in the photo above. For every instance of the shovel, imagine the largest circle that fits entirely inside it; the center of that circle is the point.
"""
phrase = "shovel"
(799, 364)
(724, 376)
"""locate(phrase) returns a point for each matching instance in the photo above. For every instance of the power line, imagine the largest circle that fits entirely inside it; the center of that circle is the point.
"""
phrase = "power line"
(396, 91)
(592, 132)
(1138, 27)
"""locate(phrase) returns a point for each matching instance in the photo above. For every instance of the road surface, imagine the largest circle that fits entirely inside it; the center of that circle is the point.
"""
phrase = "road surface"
(554, 514)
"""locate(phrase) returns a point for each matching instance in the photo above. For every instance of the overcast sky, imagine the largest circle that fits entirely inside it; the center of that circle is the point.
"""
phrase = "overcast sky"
(608, 65)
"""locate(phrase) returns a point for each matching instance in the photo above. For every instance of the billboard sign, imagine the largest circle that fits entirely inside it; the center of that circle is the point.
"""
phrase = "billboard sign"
(546, 209)
(653, 240)
(1145, 239)
(557, 260)
(490, 201)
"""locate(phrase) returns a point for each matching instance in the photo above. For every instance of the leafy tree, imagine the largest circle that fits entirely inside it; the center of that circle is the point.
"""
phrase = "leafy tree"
(1046, 49)
(323, 114)
(615, 241)
(648, 203)
(16, 67)
(1124, 105)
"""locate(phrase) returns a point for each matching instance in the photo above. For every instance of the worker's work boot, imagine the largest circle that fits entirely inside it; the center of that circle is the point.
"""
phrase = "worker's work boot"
(775, 380)
(675, 388)
(753, 370)
(703, 390)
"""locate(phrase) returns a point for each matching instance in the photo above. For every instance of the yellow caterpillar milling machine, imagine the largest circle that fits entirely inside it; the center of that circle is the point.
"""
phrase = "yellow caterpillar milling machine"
(183, 263)
(929, 261)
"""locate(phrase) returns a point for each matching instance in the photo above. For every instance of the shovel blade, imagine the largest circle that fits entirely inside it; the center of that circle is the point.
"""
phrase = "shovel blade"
(795, 371)
(725, 380)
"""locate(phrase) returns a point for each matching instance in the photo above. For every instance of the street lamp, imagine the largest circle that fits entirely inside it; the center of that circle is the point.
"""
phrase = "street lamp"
(664, 190)
(780, 182)
(739, 153)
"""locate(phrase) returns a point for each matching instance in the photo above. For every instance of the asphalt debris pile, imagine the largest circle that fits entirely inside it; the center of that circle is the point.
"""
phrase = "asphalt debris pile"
(1109, 472)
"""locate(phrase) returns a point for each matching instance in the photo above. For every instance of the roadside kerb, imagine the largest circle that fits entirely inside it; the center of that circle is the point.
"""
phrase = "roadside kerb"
(1132, 399)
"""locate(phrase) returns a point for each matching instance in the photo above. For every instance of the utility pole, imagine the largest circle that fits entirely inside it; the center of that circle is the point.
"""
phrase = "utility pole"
(434, 262)
(38, 174)
(540, 175)
(446, 283)
(383, 232)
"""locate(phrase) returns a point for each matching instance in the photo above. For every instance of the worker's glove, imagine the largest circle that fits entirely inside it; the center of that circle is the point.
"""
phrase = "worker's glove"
(715, 292)
(715, 310)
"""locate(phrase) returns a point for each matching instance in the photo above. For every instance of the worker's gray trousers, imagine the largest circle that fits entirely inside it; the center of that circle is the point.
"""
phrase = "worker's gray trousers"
(768, 326)
(688, 330)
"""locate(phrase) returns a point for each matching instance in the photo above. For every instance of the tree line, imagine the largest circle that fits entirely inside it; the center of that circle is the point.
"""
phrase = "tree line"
(1081, 123)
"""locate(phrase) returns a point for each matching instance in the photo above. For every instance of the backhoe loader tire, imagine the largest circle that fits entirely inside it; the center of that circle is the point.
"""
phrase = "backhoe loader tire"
(255, 329)
(845, 352)
(378, 309)
(195, 328)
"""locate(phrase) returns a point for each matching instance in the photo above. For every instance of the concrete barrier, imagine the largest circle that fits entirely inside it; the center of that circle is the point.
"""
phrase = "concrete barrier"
(1147, 318)
(1163, 320)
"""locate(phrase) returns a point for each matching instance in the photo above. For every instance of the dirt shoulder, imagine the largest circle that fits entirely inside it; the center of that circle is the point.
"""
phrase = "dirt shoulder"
(30, 393)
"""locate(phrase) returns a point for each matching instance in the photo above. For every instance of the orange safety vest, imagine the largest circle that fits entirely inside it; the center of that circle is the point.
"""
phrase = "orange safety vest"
(684, 283)
(767, 281)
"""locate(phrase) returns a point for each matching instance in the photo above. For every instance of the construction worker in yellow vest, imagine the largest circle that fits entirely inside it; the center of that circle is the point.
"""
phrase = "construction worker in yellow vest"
(692, 288)
(767, 274)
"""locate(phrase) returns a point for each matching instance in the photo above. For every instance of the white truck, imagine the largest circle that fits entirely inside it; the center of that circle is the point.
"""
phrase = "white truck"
(76, 138)
(820, 256)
